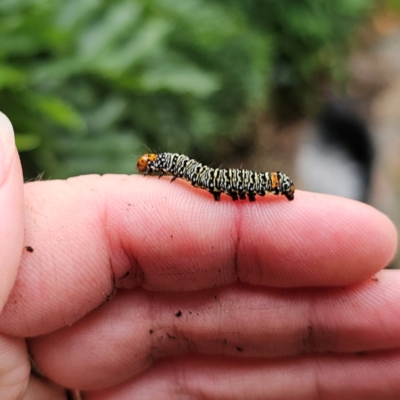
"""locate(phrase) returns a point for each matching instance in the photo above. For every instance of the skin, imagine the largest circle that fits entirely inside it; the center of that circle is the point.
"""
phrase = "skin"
(132, 287)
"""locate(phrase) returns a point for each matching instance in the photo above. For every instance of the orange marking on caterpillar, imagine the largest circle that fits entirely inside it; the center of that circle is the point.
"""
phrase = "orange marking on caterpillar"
(274, 180)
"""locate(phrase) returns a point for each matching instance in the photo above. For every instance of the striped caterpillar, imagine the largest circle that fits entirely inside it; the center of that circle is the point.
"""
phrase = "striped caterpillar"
(236, 183)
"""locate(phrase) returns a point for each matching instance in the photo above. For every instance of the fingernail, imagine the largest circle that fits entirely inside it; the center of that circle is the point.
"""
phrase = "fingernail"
(7, 143)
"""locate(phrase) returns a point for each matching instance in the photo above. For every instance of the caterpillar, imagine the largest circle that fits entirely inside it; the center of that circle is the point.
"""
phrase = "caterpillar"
(237, 183)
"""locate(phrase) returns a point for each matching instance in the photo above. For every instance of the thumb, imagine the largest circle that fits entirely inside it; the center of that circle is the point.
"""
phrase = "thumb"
(11, 209)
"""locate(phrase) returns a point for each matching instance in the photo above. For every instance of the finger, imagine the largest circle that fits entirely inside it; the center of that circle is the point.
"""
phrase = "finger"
(366, 377)
(91, 234)
(14, 368)
(11, 209)
(40, 389)
(127, 335)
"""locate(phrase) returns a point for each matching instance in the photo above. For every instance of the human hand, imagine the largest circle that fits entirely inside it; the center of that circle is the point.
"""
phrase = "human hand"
(131, 287)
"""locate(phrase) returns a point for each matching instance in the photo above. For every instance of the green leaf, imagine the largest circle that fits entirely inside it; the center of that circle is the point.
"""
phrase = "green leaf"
(100, 36)
(58, 111)
(146, 40)
(11, 77)
(184, 79)
(27, 141)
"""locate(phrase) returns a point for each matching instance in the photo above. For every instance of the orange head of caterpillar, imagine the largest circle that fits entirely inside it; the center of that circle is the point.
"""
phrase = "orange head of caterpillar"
(145, 161)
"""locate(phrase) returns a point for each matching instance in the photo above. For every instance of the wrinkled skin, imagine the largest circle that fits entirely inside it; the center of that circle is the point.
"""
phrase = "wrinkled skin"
(127, 287)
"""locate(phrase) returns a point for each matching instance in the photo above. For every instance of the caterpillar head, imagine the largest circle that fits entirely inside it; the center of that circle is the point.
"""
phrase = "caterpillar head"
(144, 164)
(287, 187)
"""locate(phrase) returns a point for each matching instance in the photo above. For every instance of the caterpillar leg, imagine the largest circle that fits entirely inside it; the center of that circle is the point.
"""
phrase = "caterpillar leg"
(233, 195)
(217, 195)
(173, 178)
(242, 195)
(252, 196)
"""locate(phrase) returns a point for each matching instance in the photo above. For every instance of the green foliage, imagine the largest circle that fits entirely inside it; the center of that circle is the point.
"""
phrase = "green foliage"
(89, 84)
(311, 39)
(392, 5)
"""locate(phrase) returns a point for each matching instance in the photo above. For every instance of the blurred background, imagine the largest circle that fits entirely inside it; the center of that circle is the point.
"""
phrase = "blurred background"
(308, 87)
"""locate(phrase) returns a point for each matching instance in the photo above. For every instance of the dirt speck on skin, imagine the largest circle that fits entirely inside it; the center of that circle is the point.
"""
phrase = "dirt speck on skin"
(239, 349)
(171, 336)
(29, 249)
(178, 314)
(110, 295)
(151, 331)
(375, 279)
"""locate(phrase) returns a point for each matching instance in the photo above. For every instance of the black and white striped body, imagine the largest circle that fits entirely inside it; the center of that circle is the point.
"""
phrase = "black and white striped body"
(237, 183)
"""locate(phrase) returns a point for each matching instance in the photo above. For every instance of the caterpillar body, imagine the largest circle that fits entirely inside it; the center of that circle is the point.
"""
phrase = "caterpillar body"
(237, 183)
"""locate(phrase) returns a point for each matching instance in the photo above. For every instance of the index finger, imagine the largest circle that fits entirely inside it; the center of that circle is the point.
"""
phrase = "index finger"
(91, 234)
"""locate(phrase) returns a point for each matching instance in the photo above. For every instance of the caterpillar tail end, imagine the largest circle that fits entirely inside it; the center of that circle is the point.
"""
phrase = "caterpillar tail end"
(290, 193)
(142, 164)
